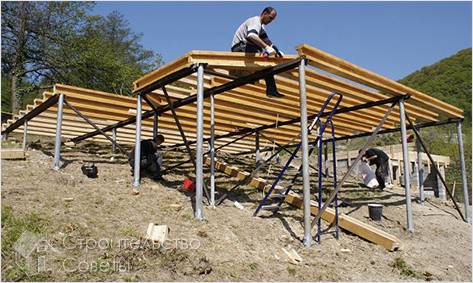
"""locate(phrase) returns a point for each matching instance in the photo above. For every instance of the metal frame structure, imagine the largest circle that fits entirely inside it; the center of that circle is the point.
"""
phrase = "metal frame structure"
(243, 111)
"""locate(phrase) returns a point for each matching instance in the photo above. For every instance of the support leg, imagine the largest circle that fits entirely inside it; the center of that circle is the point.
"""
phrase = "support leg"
(326, 161)
(136, 175)
(212, 151)
(199, 174)
(466, 198)
(305, 154)
(114, 138)
(406, 166)
(57, 145)
(441, 187)
(420, 172)
(25, 134)
(257, 147)
(155, 125)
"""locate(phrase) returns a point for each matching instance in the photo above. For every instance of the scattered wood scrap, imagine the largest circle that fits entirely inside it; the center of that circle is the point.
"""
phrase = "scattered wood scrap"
(157, 233)
(293, 256)
(12, 154)
(346, 222)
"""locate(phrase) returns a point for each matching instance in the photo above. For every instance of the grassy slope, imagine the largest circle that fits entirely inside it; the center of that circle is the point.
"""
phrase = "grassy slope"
(449, 80)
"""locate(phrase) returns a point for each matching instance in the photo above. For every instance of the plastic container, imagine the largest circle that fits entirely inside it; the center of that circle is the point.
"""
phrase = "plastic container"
(188, 185)
(369, 178)
(375, 211)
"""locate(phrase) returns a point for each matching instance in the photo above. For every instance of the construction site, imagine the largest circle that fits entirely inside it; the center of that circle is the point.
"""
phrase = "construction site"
(253, 188)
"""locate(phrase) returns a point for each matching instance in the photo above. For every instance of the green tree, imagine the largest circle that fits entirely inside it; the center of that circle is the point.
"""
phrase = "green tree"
(59, 42)
(31, 31)
(448, 80)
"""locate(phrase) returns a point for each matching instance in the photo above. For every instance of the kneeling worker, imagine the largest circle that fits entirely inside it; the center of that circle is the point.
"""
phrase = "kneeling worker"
(151, 158)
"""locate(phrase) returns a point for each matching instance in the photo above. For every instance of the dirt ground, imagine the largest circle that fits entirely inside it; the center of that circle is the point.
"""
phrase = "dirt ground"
(91, 229)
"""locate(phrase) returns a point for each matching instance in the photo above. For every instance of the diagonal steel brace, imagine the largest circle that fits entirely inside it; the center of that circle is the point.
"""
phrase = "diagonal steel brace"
(435, 167)
(95, 126)
(358, 158)
(183, 135)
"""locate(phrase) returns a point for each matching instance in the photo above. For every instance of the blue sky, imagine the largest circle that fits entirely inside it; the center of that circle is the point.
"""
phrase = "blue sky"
(390, 38)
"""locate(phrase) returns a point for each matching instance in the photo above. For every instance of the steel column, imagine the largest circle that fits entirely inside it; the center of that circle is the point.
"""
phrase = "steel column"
(25, 134)
(199, 173)
(212, 151)
(114, 138)
(257, 157)
(305, 154)
(326, 161)
(420, 172)
(136, 174)
(57, 145)
(466, 198)
(155, 126)
(405, 159)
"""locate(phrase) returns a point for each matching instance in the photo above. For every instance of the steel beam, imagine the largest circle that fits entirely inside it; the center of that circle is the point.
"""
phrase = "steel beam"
(466, 199)
(166, 80)
(298, 119)
(406, 163)
(57, 144)
(33, 113)
(261, 74)
(94, 126)
(394, 130)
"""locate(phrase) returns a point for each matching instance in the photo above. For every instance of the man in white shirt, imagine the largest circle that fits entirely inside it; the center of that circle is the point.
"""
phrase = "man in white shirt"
(251, 37)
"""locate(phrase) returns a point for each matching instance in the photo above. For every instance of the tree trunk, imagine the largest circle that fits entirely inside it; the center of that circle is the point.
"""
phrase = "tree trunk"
(15, 107)
(19, 59)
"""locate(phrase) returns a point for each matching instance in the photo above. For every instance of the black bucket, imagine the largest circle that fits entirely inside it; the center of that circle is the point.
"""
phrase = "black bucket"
(375, 211)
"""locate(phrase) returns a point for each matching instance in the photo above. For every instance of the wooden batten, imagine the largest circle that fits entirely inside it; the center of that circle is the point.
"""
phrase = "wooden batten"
(346, 222)
(340, 67)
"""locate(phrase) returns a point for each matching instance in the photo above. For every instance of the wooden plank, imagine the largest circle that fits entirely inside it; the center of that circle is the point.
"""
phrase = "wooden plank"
(236, 60)
(346, 222)
(358, 92)
(287, 107)
(12, 154)
(161, 72)
(338, 66)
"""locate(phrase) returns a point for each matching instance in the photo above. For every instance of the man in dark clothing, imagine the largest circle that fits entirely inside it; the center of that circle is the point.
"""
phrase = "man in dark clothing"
(381, 160)
(251, 37)
(151, 158)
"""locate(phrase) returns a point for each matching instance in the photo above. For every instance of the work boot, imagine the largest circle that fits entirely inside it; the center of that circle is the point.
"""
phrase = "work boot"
(271, 90)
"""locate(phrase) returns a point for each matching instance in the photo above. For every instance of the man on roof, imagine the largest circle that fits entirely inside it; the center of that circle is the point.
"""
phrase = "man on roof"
(251, 37)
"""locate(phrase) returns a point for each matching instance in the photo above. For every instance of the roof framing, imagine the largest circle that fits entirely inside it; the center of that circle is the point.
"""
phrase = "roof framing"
(241, 106)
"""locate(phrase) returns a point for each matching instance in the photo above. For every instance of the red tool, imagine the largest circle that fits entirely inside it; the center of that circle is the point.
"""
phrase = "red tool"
(189, 185)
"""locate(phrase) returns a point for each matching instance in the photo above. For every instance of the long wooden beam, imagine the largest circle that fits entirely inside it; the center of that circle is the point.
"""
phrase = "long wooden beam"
(340, 67)
(346, 222)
